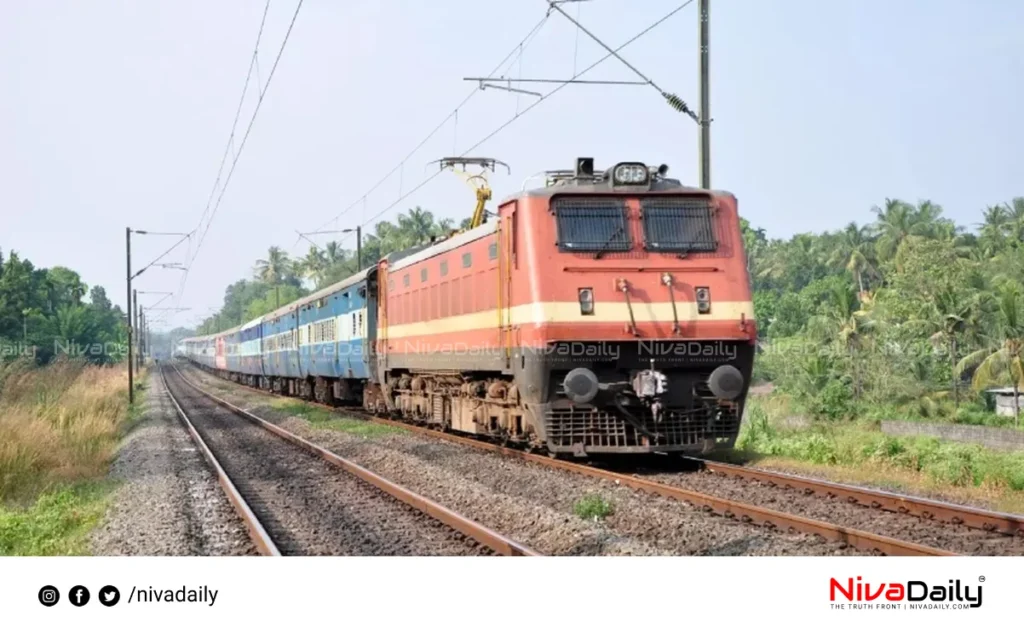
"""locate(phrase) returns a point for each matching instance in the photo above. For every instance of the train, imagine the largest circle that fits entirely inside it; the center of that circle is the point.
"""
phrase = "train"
(604, 312)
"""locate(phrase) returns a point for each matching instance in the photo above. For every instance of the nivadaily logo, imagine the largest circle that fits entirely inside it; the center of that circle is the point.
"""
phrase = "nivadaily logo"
(914, 594)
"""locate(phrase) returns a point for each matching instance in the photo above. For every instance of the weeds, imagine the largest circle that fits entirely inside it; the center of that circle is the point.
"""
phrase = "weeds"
(862, 444)
(57, 524)
(323, 419)
(59, 429)
(58, 424)
(593, 507)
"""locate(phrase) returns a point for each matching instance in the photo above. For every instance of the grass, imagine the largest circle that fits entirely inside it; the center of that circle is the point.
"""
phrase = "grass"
(593, 507)
(323, 419)
(865, 454)
(57, 524)
(59, 429)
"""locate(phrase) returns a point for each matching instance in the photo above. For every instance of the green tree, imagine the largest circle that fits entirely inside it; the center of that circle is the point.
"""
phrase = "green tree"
(855, 252)
(1003, 359)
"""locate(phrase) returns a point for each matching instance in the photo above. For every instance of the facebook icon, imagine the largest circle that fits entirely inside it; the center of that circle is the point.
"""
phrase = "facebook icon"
(79, 595)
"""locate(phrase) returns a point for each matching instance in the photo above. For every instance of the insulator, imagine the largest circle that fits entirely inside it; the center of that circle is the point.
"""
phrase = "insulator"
(676, 102)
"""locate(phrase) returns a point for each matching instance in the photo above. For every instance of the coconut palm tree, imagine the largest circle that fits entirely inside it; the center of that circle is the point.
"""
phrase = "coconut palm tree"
(314, 264)
(275, 268)
(855, 252)
(417, 227)
(333, 252)
(994, 226)
(1005, 356)
(955, 314)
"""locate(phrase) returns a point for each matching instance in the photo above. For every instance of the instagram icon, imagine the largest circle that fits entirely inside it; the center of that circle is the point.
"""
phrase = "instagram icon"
(49, 596)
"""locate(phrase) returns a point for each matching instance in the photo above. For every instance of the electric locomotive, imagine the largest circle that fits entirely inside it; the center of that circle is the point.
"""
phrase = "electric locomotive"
(603, 312)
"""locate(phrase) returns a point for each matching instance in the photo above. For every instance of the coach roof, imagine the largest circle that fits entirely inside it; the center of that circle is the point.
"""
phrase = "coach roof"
(319, 294)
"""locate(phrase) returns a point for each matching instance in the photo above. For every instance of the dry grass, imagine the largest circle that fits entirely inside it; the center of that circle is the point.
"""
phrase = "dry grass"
(59, 424)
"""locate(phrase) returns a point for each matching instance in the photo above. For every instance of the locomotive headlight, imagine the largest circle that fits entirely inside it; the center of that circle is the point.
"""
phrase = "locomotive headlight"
(586, 301)
(703, 300)
(630, 174)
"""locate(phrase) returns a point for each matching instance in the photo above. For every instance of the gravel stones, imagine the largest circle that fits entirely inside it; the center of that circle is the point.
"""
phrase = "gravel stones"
(307, 505)
(169, 504)
(532, 504)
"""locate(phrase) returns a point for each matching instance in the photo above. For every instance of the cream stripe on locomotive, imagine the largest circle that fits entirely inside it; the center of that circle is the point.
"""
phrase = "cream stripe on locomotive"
(541, 313)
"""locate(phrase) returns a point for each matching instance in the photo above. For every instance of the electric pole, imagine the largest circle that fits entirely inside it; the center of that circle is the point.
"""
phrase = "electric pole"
(144, 333)
(705, 97)
(135, 327)
(359, 248)
(128, 313)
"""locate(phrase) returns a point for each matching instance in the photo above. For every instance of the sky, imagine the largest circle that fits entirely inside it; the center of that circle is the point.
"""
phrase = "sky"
(117, 113)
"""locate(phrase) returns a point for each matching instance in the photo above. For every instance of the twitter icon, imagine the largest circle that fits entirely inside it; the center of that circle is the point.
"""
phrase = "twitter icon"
(109, 596)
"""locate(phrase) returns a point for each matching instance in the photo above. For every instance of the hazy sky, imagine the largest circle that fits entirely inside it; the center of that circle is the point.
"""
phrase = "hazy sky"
(117, 113)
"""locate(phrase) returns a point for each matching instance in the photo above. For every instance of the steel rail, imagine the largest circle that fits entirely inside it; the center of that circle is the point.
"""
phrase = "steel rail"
(980, 518)
(728, 508)
(480, 533)
(261, 539)
(747, 513)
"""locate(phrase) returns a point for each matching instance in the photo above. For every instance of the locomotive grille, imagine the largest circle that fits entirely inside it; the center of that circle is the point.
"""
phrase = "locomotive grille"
(597, 428)
(601, 428)
(592, 224)
(678, 225)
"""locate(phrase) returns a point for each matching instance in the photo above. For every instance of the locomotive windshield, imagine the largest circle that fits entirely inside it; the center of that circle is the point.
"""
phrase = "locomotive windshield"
(592, 224)
(669, 224)
(678, 225)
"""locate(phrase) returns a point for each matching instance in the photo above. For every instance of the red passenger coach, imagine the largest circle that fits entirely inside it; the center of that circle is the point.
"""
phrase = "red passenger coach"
(606, 312)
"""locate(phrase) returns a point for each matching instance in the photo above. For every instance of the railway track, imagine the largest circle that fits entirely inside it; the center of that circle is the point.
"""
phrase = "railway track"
(297, 498)
(876, 500)
(979, 518)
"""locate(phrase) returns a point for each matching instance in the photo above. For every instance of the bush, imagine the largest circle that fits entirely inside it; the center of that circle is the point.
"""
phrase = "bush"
(847, 444)
(833, 402)
(976, 414)
(593, 507)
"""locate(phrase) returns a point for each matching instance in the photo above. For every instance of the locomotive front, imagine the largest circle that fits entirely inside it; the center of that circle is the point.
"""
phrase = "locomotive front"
(641, 332)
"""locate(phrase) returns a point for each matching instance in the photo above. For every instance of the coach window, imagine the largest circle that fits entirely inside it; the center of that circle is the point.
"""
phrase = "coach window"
(492, 251)
(444, 268)
(405, 281)
(423, 273)
(467, 260)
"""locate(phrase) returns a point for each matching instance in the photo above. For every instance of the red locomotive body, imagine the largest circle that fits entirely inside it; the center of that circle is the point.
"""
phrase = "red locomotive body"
(604, 313)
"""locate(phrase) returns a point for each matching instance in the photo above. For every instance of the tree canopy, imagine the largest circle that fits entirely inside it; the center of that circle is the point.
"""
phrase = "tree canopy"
(909, 313)
(50, 312)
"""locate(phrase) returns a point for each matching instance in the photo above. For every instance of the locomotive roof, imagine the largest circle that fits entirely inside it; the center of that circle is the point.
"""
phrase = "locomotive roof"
(429, 250)
(605, 187)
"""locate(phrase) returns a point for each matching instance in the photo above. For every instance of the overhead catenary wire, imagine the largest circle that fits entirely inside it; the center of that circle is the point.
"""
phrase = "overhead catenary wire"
(453, 115)
(241, 147)
(533, 105)
(672, 99)
(238, 112)
(163, 254)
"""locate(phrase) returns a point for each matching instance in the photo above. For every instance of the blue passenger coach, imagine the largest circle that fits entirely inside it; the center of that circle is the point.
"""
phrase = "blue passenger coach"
(280, 347)
(318, 346)
(333, 349)
(249, 351)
